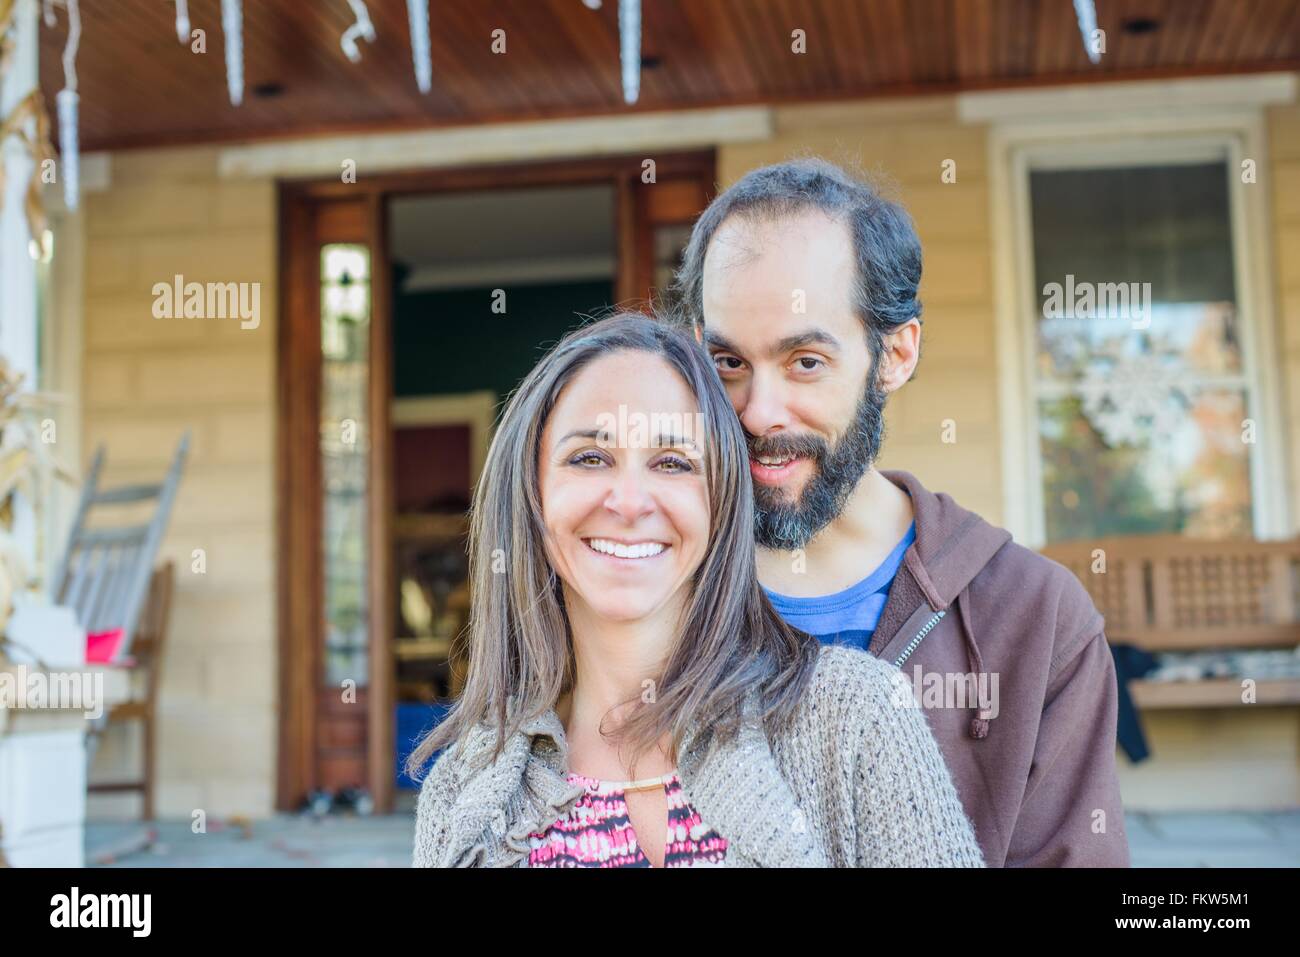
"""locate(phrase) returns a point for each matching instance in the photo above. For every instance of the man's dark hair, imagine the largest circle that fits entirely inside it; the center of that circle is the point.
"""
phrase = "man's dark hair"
(886, 246)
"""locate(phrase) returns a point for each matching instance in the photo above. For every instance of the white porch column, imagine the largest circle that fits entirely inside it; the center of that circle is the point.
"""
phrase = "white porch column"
(18, 314)
(17, 268)
(42, 751)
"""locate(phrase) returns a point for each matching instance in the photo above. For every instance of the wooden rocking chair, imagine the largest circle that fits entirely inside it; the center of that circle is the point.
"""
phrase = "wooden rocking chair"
(106, 571)
(147, 650)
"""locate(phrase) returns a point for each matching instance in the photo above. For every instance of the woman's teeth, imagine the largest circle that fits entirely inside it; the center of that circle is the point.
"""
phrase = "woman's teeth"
(619, 550)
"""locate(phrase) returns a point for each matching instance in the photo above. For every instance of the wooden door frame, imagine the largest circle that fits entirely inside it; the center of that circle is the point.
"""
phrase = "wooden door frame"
(300, 571)
(304, 219)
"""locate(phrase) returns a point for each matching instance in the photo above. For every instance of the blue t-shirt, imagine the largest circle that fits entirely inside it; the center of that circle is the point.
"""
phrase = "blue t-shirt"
(850, 616)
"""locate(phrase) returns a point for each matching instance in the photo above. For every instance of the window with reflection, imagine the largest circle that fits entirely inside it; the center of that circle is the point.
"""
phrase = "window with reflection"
(1142, 391)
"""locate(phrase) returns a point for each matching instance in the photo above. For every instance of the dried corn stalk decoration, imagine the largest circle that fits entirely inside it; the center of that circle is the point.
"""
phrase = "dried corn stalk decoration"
(362, 28)
(26, 468)
(629, 47)
(418, 13)
(6, 34)
(232, 27)
(38, 145)
(36, 140)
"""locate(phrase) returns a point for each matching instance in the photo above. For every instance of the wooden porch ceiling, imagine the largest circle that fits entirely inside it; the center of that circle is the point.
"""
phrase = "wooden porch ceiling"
(139, 86)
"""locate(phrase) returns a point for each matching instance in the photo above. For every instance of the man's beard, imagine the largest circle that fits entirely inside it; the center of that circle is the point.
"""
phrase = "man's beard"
(785, 525)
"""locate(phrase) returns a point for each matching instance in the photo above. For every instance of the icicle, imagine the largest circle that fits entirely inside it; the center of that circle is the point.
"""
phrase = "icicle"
(418, 11)
(50, 19)
(629, 37)
(1086, 11)
(232, 25)
(362, 28)
(183, 21)
(66, 102)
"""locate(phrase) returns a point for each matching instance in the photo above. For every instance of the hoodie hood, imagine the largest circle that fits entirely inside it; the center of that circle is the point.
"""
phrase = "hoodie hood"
(952, 546)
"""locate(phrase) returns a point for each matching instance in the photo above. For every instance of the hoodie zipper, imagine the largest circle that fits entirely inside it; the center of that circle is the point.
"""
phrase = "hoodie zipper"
(920, 635)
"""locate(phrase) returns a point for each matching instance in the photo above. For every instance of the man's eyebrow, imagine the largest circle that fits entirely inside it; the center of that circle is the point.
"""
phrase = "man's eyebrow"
(720, 342)
(801, 339)
(781, 346)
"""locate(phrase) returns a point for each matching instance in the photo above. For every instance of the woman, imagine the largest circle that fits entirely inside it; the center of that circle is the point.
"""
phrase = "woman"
(632, 699)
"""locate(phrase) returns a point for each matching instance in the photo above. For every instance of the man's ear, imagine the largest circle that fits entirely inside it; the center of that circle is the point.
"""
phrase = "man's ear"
(699, 333)
(902, 349)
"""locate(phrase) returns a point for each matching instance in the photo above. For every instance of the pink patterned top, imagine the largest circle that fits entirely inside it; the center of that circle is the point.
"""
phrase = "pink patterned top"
(597, 831)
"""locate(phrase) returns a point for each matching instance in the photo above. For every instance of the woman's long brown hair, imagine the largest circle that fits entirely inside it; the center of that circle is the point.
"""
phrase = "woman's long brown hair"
(520, 655)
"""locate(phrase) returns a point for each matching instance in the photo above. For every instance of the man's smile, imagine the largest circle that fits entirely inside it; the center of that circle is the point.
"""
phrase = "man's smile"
(774, 470)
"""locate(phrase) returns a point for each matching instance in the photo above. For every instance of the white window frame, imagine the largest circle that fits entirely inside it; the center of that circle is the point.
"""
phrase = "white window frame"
(1154, 123)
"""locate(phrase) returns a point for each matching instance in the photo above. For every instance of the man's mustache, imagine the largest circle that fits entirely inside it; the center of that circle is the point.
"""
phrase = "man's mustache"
(788, 446)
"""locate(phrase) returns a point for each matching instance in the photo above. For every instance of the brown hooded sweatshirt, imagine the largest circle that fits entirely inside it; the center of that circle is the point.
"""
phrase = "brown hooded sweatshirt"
(1036, 774)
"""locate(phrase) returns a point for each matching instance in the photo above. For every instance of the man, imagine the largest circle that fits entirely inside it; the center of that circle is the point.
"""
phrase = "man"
(802, 283)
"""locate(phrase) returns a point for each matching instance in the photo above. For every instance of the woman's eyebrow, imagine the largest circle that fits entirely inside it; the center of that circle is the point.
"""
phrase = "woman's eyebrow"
(598, 434)
(673, 441)
(660, 441)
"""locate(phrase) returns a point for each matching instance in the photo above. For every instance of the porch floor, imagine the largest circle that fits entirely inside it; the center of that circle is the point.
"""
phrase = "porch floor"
(1168, 839)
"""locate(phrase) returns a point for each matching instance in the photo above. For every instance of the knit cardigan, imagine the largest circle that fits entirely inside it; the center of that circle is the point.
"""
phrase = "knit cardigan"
(856, 780)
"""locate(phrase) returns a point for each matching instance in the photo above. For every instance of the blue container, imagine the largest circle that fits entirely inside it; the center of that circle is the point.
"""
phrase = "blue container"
(414, 721)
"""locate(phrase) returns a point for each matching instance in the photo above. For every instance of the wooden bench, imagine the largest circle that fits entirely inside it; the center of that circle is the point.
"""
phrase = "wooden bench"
(1169, 593)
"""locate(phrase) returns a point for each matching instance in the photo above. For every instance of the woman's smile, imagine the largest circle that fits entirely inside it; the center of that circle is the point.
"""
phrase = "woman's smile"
(626, 551)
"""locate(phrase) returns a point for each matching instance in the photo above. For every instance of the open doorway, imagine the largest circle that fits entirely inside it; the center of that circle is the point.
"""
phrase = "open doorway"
(483, 282)
(411, 305)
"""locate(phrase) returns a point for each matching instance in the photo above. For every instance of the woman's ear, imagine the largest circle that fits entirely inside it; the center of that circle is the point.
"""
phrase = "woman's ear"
(899, 355)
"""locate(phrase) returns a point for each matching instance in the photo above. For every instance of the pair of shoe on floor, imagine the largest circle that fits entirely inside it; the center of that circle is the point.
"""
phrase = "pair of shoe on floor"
(355, 800)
